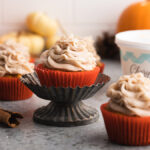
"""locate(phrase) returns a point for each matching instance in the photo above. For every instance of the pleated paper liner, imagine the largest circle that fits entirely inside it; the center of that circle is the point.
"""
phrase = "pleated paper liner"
(32, 60)
(126, 130)
(59, 78)
(65, 108)
(12, 89)
(61, 94)
(101, 66)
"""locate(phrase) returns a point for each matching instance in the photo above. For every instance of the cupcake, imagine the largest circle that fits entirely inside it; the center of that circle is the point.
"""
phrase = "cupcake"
(69, 63)
(14, 62)
(127, 114)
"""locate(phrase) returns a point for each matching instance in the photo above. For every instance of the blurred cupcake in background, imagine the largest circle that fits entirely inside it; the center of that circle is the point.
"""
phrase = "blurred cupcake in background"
(127, 114)
(14, 62)
(35, 43)
(69, 63)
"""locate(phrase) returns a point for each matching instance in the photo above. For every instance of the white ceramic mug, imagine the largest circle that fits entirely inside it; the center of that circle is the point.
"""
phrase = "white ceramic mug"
(135, 51)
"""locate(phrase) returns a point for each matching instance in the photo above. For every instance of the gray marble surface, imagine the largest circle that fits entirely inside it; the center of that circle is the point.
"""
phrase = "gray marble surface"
(32, 136)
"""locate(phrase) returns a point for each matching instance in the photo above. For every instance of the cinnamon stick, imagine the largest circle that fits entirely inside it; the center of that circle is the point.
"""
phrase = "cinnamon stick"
(9, 118)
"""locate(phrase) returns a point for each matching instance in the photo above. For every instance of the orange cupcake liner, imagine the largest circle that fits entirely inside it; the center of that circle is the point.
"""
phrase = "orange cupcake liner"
(102, 66)
(126, 130)
(12, 89)
(32, 60)
(57, 78)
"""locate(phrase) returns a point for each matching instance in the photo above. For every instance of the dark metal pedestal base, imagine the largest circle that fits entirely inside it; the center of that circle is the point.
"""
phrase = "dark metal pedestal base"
(65, 115)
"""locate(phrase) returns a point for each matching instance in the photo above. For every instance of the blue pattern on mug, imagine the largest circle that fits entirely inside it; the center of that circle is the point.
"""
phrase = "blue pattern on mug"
(138, 60)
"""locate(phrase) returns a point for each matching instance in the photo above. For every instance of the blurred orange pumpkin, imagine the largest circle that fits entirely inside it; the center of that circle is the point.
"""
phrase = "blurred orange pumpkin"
(136, 16)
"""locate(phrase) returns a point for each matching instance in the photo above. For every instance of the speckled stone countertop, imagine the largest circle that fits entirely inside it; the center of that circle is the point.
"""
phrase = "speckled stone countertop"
(31, 136)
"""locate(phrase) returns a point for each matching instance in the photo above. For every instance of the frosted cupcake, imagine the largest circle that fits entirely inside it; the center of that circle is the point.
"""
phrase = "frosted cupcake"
(127, 114)
(14, 62)
(68, 63)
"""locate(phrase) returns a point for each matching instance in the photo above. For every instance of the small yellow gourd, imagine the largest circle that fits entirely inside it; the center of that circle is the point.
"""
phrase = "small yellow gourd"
(9, 36)
(34, 42)
(40, 23)
(50, 41)
(37, 44)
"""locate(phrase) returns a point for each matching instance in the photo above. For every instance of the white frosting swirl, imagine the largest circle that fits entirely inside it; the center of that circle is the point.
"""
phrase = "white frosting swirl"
(130, 95)
(14, 59)
(70, 54)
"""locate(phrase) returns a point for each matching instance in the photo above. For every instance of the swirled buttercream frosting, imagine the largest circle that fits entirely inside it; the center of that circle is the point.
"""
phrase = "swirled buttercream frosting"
(130, 95)
(14, 59)
(70, 54)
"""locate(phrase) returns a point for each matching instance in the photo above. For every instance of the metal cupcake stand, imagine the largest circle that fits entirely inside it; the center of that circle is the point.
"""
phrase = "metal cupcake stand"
(66, 107)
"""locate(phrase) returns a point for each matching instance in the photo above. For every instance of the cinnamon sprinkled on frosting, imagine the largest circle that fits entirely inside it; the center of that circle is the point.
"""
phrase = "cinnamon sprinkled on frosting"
(130, 95)
(71, 54)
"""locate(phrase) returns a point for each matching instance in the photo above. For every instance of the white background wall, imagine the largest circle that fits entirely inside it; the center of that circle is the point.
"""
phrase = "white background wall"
(82, 17)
